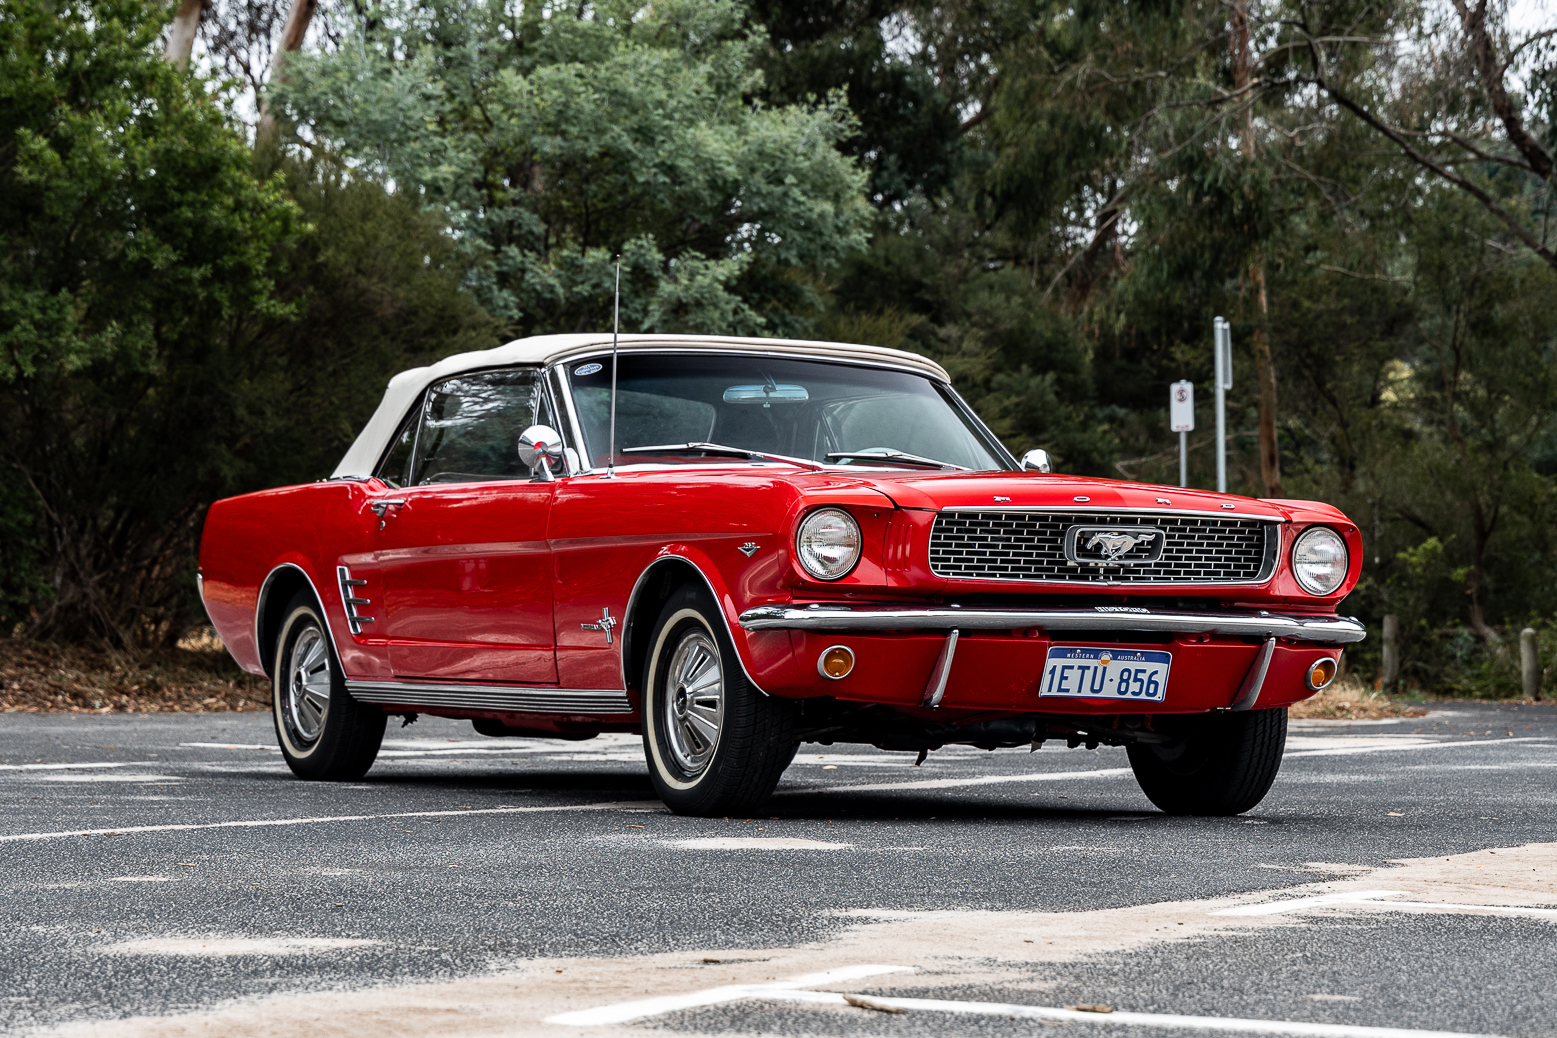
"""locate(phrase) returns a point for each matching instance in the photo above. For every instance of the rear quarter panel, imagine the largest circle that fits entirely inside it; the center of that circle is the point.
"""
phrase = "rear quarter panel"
(245, 538)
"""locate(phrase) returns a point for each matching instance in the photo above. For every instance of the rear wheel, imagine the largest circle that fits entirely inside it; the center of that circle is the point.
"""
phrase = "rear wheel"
(715, 745)
(1219, 764)
(324, 733)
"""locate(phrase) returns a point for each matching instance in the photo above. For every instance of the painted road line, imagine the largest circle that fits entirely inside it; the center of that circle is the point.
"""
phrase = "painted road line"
(983, 780)
(1347, 751)
(86, 764)
(755, 843)
(622, 1012)
(1371, 899)
(261, 823)
(1070, 1016)
(154, 779)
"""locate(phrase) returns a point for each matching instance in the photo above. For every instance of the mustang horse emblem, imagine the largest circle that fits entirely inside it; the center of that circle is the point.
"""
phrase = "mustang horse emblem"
(1115, 543)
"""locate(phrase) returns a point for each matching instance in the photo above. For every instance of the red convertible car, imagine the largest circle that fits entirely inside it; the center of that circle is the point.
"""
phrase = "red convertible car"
(734, 546)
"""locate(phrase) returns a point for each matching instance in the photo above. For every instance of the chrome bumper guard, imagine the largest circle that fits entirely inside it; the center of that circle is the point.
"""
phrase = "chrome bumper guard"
(1337, 630)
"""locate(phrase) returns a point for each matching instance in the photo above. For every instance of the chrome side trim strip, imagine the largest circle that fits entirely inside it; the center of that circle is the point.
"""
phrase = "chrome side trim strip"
(935, 688)
(1254, 681)
(519, 699)
(1339, 630)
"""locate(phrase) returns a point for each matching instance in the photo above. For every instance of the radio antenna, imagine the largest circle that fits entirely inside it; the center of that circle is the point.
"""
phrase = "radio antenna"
(616, 327)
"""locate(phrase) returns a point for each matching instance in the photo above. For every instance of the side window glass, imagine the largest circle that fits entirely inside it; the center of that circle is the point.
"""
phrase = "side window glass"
(396, 467)
(471, 424)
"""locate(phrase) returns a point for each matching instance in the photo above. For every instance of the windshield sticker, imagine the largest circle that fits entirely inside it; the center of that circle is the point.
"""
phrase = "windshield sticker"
(586, 369)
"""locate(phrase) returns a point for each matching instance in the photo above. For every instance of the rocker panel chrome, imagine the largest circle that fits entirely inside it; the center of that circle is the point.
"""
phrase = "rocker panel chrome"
(1340, 630)
(493, 697)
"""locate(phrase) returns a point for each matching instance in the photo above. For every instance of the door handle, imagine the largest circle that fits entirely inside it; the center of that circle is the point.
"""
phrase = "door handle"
(381, 509)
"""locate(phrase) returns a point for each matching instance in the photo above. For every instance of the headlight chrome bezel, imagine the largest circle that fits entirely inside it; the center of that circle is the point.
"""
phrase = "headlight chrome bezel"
(1306, 541)
(806, 555)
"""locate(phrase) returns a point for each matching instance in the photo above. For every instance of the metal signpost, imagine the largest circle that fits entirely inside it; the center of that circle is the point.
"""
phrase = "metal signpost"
(1222, 332)
(1181, 419)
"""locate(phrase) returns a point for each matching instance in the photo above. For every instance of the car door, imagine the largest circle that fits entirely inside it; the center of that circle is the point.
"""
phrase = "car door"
(461, 549)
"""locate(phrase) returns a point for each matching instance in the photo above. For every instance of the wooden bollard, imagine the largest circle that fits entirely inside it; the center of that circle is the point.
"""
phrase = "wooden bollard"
(1391, 652)
(1529, 664)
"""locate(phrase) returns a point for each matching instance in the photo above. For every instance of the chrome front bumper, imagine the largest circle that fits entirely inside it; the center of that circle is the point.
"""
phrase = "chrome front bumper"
(1338, 630)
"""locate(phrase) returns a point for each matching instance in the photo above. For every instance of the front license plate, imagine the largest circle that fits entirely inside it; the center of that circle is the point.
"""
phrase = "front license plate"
(1073, 670)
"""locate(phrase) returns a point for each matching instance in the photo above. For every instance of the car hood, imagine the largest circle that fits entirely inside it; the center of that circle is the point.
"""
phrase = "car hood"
(1042, 490)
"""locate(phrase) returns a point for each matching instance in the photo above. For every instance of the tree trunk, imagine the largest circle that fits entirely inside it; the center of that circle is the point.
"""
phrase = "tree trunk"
(1265, 376)
(181, 38)
(1264, 369)
(291, 40)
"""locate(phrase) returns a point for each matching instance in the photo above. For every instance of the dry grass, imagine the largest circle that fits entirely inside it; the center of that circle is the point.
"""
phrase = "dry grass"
(1350, 700)
(197, 677)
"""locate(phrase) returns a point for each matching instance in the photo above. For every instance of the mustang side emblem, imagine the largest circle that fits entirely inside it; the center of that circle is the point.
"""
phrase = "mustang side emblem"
(607, 621)
(748, 549)
(1113, 545)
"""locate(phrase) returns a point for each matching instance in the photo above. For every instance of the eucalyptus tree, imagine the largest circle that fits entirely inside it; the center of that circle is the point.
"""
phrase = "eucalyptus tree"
(556, 137)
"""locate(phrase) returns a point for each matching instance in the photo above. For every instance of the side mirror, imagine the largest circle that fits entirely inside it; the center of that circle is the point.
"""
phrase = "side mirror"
(539, 446)
(1037, 460)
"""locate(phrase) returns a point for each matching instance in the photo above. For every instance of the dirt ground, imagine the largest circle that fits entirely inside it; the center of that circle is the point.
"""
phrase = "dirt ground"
(196, 677)
(1350, 700)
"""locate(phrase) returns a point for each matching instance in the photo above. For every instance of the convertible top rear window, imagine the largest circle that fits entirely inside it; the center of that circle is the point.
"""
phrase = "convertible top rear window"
(799, 408)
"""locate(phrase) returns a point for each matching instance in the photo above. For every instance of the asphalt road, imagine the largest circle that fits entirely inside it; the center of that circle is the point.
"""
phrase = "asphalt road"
(166, 875)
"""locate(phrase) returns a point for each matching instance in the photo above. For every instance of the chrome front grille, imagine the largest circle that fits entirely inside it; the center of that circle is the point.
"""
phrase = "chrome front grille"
(993, 545)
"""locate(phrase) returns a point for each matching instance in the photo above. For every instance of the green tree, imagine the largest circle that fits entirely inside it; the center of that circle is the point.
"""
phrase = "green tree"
(555, 137)
(132, 232)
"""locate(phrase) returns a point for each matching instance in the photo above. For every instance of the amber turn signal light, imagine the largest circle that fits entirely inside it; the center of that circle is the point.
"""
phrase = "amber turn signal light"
(1321, 673)
(835, 662)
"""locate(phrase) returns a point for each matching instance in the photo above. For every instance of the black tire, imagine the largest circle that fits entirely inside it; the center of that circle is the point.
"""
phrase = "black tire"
(1220, 764)
(703, 760)
(325, 735)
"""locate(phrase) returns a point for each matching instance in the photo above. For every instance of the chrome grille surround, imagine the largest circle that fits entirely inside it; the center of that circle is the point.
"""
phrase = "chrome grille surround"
(1029, 546)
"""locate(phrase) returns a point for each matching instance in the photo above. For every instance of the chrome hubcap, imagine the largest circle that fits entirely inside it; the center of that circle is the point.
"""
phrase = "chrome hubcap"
(694, 702)
(307, 700)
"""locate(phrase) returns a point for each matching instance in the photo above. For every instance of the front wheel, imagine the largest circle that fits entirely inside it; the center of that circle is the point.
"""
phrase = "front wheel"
(324, 733)
(715, 745)
(1216, 764)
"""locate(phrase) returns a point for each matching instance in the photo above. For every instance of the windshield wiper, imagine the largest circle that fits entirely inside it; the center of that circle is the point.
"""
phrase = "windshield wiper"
(718, 448)
(896, 457)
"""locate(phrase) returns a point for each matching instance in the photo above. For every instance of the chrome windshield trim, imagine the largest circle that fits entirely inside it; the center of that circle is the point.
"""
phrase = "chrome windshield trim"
(994, 445)
(1339, 630)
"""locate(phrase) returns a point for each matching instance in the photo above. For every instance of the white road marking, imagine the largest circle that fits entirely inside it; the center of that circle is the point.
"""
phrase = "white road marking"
(1071, 1016)
(1349, 750)
(160, 779)
(796, 990)
(230, 746)
(622, 1012)
(757, 843)
(140, 879)
(211, 947)
(260, 823)
(1371, 899)
(983, 780)
(85, 764)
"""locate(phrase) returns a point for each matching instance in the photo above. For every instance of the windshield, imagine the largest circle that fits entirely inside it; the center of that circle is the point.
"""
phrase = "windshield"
(799, 408)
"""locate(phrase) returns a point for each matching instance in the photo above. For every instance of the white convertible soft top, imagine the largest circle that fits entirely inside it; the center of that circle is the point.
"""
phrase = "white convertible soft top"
(405, 387)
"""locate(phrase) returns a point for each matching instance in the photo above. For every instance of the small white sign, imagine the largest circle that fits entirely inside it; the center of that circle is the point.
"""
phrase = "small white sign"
(1181, 407)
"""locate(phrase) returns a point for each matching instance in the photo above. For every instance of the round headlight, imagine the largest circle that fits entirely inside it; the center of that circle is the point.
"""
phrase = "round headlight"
(828, 543)
(1319, 560)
